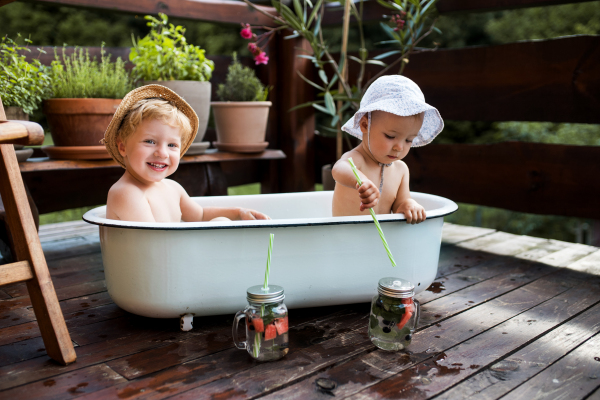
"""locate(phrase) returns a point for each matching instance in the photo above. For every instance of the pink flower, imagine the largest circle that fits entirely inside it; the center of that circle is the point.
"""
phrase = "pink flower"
(261, 58)
(246, 33)
(253, 48)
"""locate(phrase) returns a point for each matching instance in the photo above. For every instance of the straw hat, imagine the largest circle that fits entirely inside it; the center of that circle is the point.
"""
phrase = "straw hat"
(146, 92)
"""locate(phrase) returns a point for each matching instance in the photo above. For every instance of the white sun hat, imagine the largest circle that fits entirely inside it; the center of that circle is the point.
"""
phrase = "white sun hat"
(398, 95)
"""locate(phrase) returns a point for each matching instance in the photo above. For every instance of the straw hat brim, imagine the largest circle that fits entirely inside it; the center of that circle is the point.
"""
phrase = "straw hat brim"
(146, 92)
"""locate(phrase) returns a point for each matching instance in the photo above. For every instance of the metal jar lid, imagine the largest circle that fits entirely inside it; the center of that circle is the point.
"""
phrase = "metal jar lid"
(396, 287)
(273, 294)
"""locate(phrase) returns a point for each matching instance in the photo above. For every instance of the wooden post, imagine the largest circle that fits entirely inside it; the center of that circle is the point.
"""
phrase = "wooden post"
(296, 129)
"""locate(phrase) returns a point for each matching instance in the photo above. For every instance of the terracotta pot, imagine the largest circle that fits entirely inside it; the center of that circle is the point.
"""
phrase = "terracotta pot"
(241, 124)
(79, 122)
(197, 95)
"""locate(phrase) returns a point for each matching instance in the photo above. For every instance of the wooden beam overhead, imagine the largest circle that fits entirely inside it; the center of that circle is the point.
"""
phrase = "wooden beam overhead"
(373, 11)
(447, 6)
(227, 11)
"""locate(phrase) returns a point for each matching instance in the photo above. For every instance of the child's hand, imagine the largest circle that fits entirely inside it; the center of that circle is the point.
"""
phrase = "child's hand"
(413, 211)
(248, 214)
(368, 193)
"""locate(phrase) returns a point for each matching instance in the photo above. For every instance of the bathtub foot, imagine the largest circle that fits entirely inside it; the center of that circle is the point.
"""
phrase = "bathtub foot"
(186, 323)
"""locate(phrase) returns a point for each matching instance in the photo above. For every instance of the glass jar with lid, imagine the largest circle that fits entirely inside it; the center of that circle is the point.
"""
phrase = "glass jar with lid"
(394, 314)
(266, 324)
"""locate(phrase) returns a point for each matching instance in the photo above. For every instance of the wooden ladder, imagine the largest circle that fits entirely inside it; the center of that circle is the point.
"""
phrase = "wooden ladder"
(30, 265)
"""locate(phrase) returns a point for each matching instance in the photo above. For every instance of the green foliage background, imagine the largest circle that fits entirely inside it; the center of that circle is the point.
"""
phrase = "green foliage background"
(56, 25)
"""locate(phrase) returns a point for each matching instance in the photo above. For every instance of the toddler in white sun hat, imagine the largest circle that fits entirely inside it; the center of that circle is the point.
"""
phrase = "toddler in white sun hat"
(393, 117)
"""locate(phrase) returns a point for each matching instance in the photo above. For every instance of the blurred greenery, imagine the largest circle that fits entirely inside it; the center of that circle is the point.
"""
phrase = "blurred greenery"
(72, 214)
(545, 226)
(55, 25)
(251, 188)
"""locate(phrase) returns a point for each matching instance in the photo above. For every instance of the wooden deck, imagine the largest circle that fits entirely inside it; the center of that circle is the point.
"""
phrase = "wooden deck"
(508, 316)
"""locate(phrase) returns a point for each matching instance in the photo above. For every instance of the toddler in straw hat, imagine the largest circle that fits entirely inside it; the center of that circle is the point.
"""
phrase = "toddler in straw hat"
(393, 117)
(152, 128)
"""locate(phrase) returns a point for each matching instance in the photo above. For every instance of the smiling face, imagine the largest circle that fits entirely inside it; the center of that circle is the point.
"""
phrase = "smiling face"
(152, 151)
(391, 135)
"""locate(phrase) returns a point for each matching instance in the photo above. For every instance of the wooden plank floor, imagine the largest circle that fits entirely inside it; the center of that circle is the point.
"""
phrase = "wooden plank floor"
(508, 316)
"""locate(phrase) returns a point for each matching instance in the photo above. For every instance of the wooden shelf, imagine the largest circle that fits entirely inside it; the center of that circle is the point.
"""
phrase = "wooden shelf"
(211, 156)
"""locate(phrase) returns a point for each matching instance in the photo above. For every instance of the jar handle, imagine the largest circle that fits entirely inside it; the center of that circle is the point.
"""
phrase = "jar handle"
(236, 321)
(417, 312)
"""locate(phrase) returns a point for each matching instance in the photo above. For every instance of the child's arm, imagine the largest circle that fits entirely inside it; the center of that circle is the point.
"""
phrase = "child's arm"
(233, 213)
(413, 211)
(342, 173)
(192, 211)
(127, 203)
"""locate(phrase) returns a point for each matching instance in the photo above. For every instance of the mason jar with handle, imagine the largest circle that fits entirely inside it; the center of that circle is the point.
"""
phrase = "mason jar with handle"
(394, 314)
(266, 324)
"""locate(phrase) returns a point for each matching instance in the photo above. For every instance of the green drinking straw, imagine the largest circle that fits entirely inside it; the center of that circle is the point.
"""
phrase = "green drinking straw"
(381, 235)
(256, 349)
(266, 285)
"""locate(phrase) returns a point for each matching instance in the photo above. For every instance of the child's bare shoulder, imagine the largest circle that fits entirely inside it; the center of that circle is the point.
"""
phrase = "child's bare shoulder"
(123, 192)
(400, 166)
(171, 184)
(357, 158)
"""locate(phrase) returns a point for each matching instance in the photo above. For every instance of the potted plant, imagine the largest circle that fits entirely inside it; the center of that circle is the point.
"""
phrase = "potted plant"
(241, 115)
(24, 85)
(86, 94)
(165, 58)
(409, 22)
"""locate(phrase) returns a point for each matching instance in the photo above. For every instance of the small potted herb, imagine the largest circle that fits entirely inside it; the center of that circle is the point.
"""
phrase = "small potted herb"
(86, 94)
(165, 58)
(24, 85)
(241, 115)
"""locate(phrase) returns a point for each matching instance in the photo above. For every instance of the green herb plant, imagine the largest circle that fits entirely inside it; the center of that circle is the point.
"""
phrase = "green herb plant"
(23, 84)
(411, 22)
(79, 76)
(165, 55)
(241, 84)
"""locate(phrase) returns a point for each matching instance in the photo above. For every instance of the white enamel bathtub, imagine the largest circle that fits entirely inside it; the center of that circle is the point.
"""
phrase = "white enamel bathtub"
(166, 270)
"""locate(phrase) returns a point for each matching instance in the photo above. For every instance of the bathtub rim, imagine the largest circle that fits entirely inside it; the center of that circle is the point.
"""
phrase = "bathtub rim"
(92, 217)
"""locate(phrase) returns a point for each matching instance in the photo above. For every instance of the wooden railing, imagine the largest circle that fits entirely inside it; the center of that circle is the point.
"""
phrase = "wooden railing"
(552, 80)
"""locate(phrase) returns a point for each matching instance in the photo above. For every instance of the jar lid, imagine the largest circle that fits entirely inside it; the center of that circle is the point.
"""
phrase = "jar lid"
(272, 294)
(396, 287)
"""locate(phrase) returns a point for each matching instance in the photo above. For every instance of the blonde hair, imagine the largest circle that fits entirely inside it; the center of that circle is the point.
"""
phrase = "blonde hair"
(155, 108)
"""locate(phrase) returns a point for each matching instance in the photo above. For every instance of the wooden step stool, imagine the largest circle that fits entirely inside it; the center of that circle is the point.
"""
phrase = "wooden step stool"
(30, 264)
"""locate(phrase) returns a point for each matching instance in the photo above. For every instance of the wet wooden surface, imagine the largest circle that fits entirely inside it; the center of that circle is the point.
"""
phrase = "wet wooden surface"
(508, 316)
